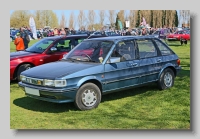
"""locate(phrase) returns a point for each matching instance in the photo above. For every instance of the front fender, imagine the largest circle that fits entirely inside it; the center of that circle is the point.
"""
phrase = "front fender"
(84, 79)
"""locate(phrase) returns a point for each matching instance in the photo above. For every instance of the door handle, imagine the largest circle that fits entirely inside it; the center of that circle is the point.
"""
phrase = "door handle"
(134, 64)
(159, 60)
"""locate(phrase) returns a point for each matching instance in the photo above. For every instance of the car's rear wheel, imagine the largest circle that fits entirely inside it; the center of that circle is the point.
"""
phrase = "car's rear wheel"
(21, 69)
(88, 97)
(166, 79)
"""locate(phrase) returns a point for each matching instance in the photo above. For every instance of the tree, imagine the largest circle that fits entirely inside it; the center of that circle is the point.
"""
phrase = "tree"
(19, 18)
(111, 16)
(38, 19)
(121, 17)
(101, 17)
(71, 20)
(81, 19)
(63, 21)
(91, 19)
(176, 19)
(184, 16)
(131, 18)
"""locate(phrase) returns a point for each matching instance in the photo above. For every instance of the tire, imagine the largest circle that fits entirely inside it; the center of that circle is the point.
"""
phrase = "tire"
(166, 79)
(88, 97)
(185, 42)
(21, 69)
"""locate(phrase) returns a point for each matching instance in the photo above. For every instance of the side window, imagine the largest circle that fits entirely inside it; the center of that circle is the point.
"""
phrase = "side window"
(125, 50)
(146, 48)
(63, 45)
(78, 40)
(163, 49)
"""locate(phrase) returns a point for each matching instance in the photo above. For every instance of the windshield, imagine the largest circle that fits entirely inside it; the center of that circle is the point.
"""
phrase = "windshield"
(90, 51)
(40, 46)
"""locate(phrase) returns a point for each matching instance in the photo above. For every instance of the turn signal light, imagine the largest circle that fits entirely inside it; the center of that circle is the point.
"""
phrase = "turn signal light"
(178, 61)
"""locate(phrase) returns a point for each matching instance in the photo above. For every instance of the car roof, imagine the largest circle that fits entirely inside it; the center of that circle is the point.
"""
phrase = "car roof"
(114, 38)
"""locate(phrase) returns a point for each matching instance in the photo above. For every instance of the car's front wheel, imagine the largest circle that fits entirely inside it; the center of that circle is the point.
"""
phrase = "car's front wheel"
(21, 69)
(166, 79)
(88, 97)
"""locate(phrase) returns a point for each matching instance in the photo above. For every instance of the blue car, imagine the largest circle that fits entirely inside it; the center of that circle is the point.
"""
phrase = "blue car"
(13, 33)
(100, 66)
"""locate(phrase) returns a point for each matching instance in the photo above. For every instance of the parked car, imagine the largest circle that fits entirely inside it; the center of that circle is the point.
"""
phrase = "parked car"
(183, 36)
(48, 49)
(102, 65)
(13, 33)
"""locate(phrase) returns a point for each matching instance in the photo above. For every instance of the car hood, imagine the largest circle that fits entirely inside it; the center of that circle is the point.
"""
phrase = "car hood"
(57, 69)
(19, 54)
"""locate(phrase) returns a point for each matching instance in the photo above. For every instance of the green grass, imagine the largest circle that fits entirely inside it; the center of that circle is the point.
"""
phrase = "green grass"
(137, 108)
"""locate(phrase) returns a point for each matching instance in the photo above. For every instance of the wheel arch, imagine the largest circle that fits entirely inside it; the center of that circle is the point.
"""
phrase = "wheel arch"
(170, 67)
(90, 79)
(16, 69)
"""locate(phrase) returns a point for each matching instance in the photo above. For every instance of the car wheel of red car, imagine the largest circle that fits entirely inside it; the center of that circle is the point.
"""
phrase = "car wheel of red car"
(21, 69)
(166, 79)
(88, 97)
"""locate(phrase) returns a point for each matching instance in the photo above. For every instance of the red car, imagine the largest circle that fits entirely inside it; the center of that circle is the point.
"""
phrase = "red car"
(183, 36)
(48, 49)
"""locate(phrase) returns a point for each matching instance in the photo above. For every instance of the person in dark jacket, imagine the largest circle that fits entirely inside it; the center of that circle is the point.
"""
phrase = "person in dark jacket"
(25, 36)
(128, 32)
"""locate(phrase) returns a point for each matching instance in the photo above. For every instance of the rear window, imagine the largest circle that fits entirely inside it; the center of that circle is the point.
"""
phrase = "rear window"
(163, 48)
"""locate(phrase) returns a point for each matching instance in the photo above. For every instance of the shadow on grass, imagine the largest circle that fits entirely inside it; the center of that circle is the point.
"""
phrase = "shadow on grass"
(43, 106)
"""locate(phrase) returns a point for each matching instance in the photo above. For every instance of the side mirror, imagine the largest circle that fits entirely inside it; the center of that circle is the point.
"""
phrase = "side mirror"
(53, 49)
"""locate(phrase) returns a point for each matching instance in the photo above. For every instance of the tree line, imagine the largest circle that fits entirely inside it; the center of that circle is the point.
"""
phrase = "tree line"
(88, 18)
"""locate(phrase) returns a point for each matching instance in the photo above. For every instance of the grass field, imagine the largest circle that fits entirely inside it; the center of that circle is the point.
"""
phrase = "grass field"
(138, 108)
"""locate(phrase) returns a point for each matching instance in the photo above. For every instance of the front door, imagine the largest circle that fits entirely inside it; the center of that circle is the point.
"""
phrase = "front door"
(122, 69)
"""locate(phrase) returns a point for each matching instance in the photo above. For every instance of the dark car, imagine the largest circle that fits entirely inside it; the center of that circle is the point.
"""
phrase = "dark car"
(48, 49)
(102, 65)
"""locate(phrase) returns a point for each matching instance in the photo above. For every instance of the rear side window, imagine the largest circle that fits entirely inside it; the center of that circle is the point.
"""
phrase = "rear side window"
(163, 49)
(78, 40)
(146, 48)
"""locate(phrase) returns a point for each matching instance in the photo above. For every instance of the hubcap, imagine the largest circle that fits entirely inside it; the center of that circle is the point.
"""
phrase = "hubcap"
(168, 79)
(89, 97)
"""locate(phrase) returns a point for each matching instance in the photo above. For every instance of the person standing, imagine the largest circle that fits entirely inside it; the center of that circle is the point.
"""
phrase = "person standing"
(19, 43)
(55, 32)
(128, 32)
(62, 32)
(24, 35)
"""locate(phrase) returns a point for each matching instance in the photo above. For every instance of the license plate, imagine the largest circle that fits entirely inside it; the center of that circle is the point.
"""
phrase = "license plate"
(32, 91)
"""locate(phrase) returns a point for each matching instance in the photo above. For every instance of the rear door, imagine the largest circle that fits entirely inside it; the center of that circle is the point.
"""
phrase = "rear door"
(150, 60)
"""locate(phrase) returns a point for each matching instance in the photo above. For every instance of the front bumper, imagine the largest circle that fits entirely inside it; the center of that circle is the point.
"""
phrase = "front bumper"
(54, 95)
(172, 39)
(12, 70)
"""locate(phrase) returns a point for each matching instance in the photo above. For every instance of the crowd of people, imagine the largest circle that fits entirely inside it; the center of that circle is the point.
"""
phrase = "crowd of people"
(22, 40)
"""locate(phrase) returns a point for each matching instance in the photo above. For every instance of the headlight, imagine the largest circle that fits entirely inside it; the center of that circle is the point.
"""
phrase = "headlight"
(56, 83)
(49, 82)
(22, 78)
(60, 83)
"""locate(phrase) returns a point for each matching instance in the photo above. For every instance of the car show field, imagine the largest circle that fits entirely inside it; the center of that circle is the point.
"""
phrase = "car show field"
(136, 108)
